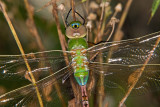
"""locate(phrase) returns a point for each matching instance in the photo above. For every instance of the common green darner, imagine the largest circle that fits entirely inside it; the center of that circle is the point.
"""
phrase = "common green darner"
(119, 70)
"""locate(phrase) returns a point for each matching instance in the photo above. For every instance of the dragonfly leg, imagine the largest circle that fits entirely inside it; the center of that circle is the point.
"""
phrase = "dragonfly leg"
(85, 102)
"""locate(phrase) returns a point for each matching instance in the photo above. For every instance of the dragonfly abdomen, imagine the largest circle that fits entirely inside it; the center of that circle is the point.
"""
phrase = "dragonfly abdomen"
(80, 66)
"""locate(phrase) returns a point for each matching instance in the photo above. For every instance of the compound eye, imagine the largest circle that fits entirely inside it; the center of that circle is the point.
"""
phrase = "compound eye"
(75, 25)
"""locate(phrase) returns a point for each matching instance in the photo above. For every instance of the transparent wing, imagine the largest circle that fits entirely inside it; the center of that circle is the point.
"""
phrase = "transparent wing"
(52, 91)
(127, 51)
(120, 63)
(121, 77)
(12, 67)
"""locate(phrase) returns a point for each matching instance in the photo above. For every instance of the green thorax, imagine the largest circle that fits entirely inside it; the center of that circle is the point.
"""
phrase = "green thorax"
(77, 43)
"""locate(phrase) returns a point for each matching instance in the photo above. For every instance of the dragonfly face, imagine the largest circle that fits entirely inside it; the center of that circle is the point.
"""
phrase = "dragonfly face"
(76, 30)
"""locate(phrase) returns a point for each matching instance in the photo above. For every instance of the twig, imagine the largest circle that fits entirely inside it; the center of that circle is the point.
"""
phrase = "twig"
(107, 14)
(112, 22)
(100, 24)
(31, 25)
(125, 12)
(73, 9)
(47, 4)
(63, 19)
(61, 36)
(22, 52)
(119, 28)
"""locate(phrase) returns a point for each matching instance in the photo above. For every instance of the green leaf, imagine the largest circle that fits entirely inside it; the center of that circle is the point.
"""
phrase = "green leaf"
(154, 8)
(83, 1)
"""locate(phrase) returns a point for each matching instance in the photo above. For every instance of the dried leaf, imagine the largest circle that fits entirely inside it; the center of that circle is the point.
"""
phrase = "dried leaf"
(133, 77)
(46, 91)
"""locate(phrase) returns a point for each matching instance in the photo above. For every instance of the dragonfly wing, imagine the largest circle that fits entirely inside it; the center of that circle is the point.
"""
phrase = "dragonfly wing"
(133, 51)
(121, 77)
(13, 67)
(120, 62)
(51, 88)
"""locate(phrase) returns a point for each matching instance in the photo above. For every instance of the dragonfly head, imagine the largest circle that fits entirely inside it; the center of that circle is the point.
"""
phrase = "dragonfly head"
(75, 30)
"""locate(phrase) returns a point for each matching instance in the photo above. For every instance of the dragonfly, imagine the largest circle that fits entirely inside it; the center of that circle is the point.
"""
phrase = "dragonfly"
(119, 62)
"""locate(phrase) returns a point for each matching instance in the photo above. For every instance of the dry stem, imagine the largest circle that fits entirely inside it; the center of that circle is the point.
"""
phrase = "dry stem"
(31, 25)
(125, 12)
(22, 52)
(73, 9)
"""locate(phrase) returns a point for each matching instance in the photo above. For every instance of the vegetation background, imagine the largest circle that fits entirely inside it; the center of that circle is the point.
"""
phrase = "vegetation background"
(135, 25)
